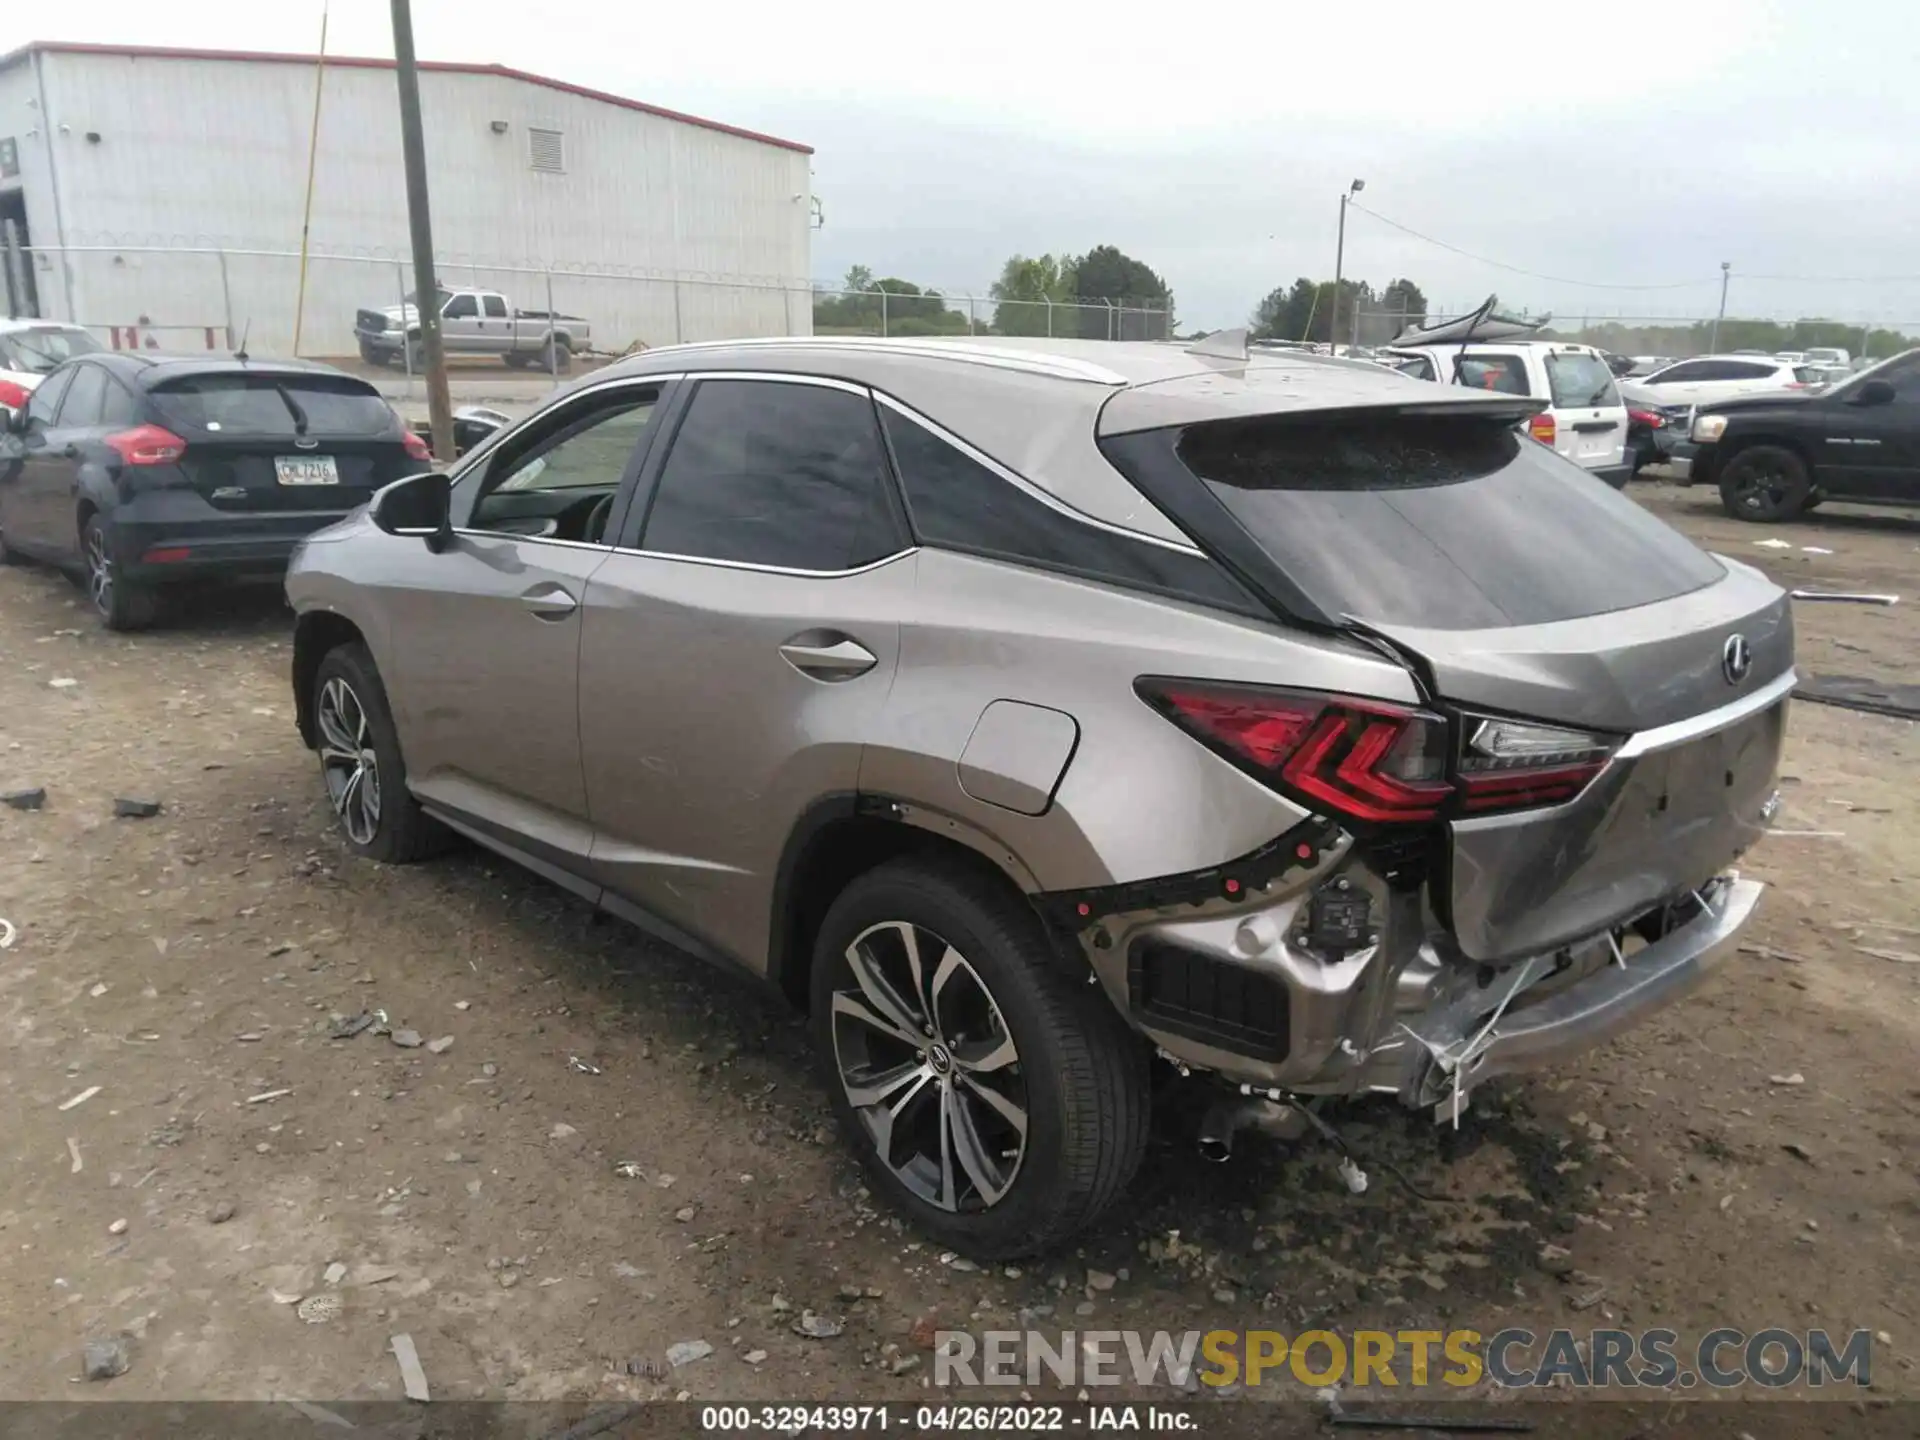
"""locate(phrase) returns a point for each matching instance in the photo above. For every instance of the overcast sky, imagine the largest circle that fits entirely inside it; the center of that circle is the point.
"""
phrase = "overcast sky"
(1634, 145)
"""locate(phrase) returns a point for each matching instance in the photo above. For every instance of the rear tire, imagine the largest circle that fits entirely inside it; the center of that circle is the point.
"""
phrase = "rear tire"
(120, 604)
(1000, 1029)
(560, 361)
(1764, 484)
(9, 557)
(361, 766)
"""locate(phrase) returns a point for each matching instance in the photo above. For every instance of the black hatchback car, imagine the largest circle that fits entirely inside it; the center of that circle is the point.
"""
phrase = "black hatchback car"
(138, 471)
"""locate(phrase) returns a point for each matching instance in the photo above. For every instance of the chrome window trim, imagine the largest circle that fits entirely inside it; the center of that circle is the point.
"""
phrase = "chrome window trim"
(758, 569)
(1665, 737)
(1028, 488)
(520, 539)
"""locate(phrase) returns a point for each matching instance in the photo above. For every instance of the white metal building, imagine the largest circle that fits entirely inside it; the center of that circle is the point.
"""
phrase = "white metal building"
(159, 195)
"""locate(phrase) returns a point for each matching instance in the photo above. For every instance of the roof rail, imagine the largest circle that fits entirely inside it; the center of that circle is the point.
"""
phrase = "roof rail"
(1032, 362)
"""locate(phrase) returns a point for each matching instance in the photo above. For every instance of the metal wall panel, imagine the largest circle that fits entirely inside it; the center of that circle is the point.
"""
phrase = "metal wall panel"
(212, 153)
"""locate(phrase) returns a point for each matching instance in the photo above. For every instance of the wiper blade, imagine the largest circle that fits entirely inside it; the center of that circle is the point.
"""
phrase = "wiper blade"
(293, 409)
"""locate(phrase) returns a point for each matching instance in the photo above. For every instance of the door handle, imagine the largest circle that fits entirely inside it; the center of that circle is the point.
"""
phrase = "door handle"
(828, 657)
(549, 602)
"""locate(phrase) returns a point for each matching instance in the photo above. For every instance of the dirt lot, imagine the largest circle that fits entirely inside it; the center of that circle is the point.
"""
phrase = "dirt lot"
(621, 1149)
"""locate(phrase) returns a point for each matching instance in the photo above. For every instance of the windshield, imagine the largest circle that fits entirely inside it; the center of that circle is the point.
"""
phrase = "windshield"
(1879, 368)
(257, 404)
(38, 352)
(1447, 523)
(1580, 380)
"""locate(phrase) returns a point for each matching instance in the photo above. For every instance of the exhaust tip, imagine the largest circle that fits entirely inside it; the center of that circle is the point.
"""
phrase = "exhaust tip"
(1215, 1150)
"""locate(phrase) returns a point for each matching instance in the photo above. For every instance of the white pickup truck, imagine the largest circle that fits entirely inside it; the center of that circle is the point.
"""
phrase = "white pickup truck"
(473, 322)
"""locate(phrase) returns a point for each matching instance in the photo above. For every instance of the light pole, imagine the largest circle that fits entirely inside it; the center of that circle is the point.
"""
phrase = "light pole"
(1713, 343)
(1339, 261)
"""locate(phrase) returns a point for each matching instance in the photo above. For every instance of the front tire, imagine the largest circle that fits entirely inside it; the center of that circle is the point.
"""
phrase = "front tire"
(1764, 484)
(120, 604)
(361, 766)
(993, 1097)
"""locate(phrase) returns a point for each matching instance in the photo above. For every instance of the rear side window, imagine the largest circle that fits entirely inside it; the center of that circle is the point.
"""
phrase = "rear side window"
(1418, 366)
(84, 398)
(957, 503)
(119, 407)
(275, 406)
(771, 473)
(1687, 372)
(1504, 373)
(1580, 381)
(496, 307)
(1442, 522)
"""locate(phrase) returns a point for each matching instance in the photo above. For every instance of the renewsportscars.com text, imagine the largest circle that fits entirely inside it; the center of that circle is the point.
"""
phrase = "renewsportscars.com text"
(1515, 1358)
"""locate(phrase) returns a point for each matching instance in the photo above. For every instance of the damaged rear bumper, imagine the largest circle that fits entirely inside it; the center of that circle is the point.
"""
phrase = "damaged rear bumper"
(1243, 991)
(1458, 1048)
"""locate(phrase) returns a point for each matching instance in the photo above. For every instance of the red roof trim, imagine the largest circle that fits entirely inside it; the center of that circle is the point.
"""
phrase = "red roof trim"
(367, 62)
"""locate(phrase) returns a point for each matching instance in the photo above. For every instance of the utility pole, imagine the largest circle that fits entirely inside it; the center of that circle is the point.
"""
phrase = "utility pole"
(1713, 344)
(1339, 262)
(425, 291)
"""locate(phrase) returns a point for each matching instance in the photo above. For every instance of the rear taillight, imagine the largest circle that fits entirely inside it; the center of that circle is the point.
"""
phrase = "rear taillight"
(1516, 765)
(1646, 418)
(147, 445)
(1379, 763)
(14, 395)
(417, 449)
(1541, 428)
(1363, 759)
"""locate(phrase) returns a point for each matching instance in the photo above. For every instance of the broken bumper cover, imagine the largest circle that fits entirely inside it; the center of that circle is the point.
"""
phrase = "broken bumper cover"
(1456, 1052)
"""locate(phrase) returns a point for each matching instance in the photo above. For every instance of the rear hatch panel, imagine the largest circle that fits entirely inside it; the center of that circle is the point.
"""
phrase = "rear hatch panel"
(1515, 587)
(261, 441)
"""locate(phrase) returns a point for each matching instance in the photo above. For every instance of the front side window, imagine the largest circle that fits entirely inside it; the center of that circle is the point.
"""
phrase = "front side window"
(45, 403)
(462, 307)
(552, 483)
(773, 473)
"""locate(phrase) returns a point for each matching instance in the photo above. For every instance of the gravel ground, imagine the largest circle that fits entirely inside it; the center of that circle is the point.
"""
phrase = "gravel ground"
(602, 1148)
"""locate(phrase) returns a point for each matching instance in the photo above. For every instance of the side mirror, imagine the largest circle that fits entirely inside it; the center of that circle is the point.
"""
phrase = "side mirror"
(1874, 392)
(418, 505)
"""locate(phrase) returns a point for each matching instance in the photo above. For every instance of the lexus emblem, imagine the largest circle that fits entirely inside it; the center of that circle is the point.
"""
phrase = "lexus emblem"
(1736, 659)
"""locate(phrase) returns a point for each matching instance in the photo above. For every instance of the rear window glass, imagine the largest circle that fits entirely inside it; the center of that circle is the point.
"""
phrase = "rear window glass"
(38, 351)
(1441, 522)
(1504, 373)
(275, 405)
(1580, 381)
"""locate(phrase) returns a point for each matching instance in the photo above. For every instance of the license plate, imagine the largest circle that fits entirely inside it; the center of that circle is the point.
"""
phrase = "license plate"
(306, 470)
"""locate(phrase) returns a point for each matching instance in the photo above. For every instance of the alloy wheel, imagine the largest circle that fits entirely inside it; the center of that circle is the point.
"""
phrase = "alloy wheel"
(348, 762)
(1763, 488)
(99, 570)
(930, 1068)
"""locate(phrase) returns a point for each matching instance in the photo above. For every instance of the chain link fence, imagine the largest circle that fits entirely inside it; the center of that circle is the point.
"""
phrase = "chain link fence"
(219, 298)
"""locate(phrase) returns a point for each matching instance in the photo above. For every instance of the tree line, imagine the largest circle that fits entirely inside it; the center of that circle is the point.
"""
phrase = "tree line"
(1104, 294)
(1305, 310)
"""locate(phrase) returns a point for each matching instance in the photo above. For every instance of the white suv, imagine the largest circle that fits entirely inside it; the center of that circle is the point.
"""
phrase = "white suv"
(1707, 378)
(1585, 419)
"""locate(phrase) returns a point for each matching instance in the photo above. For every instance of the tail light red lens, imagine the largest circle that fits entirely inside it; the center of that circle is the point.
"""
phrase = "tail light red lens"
(14, 395)
(1379, 763)
(1646, 418)
(1541, 428)
(417, 449)
(1369, 761)
(147, 445)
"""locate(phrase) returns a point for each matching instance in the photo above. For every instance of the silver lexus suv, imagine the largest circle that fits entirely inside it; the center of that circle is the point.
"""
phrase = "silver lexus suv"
(1026, 714)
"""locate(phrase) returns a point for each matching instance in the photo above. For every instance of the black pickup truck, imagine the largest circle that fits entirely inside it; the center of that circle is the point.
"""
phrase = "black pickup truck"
(1775, 455)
